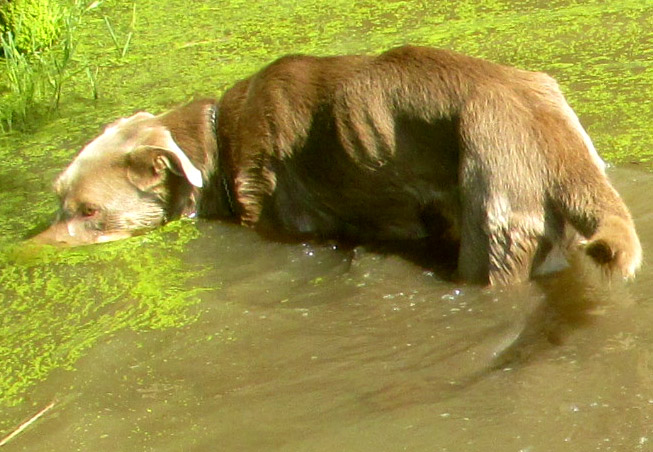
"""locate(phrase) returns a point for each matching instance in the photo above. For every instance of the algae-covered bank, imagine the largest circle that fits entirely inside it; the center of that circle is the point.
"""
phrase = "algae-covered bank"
(204, 336)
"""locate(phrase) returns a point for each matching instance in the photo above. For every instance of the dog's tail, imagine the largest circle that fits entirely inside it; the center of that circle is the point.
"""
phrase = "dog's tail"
(584, 195)
(615, 246)
(592, 206)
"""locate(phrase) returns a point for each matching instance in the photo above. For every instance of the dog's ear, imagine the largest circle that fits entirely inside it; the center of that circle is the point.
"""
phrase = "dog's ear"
(147, 164)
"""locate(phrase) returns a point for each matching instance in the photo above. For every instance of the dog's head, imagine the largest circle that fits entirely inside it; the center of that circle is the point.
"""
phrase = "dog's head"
(130, 179)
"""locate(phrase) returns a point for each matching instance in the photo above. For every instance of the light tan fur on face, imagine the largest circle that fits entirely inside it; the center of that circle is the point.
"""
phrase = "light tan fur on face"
(96, 180)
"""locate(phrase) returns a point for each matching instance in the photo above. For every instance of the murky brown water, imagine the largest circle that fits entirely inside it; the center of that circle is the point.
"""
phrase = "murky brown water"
(310, 348)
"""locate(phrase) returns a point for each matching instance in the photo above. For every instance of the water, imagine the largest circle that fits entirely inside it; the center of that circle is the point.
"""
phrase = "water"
(308, 347)
(204, 336)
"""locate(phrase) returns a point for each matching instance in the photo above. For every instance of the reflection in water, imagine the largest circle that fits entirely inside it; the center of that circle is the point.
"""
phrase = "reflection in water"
(307, 347)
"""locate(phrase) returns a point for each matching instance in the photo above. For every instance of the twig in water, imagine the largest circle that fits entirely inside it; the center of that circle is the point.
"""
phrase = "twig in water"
(26, 424)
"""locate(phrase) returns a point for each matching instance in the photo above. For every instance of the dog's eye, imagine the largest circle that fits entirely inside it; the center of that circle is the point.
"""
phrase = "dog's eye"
(87, 210)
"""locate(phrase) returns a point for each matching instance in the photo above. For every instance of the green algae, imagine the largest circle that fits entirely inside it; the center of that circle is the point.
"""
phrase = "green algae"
(600, 51)
(56, 304)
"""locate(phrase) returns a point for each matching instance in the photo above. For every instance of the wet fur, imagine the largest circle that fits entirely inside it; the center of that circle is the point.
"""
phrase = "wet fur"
(413, 143)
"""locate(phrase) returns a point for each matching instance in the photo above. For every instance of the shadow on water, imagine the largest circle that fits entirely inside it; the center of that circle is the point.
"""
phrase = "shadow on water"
(532, 321)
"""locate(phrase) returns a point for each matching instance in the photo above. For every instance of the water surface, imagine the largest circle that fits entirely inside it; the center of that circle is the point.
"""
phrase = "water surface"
(307, 347)
(204, 336)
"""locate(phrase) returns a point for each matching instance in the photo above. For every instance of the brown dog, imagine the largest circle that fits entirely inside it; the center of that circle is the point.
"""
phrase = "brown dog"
(411, 143)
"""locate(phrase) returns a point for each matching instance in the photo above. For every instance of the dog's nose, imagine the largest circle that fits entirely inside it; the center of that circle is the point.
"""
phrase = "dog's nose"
(57, 234)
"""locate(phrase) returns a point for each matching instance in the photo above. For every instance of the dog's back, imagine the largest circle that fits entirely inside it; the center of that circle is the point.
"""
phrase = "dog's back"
(412, 143)
(370, 147)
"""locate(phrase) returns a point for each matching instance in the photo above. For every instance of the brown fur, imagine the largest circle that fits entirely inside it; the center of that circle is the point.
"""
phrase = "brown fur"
(412, 143)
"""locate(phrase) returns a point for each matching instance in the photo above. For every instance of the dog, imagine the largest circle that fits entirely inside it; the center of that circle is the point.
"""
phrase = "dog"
(415, 142)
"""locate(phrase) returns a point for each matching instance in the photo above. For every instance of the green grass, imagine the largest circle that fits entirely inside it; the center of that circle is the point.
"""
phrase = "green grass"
(23, 82)
(122, 48)
(37, 71)
(35, 24)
